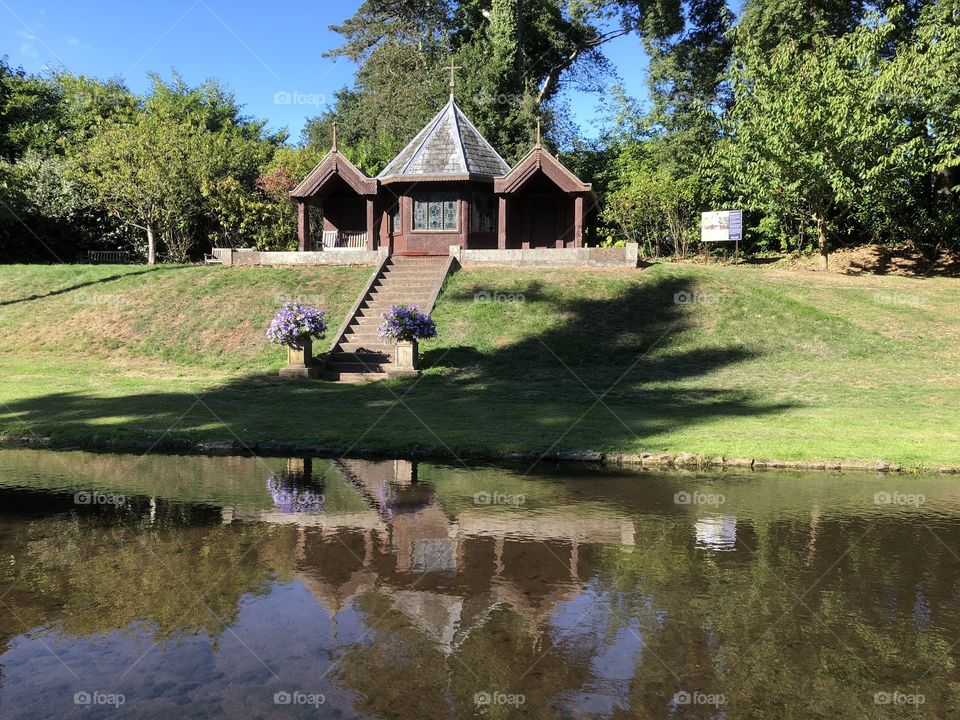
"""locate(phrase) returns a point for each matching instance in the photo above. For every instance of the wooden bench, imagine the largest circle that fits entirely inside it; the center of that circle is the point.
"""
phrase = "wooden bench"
(113, 257)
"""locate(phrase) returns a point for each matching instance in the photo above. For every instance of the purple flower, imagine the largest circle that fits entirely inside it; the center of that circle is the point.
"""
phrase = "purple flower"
(291, 499)
(403, 324)
(294, 323)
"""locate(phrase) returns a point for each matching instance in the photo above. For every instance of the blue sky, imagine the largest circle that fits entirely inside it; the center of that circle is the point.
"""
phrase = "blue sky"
(270, 55)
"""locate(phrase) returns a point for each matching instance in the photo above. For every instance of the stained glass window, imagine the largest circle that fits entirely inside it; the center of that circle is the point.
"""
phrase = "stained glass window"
(435, 211)
(450, 212)
(419, 215)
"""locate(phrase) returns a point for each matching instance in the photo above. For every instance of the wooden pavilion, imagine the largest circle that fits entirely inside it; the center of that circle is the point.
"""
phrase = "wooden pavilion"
(447, 187)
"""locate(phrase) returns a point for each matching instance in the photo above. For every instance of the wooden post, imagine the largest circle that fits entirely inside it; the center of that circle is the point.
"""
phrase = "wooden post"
(370, 223)
(303, 225)
(502, 223)
(578, 221)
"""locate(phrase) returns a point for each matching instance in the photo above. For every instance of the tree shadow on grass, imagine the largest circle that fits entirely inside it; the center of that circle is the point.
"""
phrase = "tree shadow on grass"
(615, 373)
(89, 283)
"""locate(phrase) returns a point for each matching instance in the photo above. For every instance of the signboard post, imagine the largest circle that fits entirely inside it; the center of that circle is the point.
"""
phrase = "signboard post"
(721, 226)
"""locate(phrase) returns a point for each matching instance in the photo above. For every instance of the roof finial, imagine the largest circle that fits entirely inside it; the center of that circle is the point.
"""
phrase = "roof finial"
(335, 136)
(453, 80)
(538, 132)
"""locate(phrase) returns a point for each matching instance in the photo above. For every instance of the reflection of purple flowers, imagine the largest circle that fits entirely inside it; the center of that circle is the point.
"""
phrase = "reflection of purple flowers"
(403, 324)
(294, 323)
(292, 499)
(386, 500)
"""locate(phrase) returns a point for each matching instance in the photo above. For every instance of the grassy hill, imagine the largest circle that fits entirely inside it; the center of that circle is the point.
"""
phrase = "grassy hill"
(716, 360)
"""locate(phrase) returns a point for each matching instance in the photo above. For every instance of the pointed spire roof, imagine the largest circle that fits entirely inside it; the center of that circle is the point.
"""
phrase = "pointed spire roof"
(448, 148)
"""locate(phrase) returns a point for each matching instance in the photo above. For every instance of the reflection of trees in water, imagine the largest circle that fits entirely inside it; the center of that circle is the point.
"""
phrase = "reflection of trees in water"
(86, 577)
(805, 617)
(782, 634)
(400, 670)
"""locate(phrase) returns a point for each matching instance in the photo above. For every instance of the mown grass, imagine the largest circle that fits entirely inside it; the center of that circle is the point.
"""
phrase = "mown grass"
(764, 363)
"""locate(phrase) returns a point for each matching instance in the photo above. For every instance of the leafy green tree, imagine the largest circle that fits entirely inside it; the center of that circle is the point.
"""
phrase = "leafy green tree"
(513, 57)
(822, 140)
(160, 168)
(765, 25)
(28, 112)
(143, 172)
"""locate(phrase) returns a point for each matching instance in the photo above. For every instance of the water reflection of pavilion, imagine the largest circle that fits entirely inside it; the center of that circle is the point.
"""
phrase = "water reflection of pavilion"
(447, 571)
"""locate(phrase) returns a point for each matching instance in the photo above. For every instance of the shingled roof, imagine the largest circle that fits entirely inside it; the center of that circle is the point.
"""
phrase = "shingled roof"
(448, 148)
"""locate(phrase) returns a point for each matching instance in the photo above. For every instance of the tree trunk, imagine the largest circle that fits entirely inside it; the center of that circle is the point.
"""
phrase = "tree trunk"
(151, 245)
(824, 243)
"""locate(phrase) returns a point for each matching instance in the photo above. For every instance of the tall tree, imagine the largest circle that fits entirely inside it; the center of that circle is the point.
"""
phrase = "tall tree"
(836, 137)
(513, 54)
(157, 168)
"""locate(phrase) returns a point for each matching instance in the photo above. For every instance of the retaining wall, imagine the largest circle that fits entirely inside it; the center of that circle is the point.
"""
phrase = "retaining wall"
(550, 257)
(246, 258)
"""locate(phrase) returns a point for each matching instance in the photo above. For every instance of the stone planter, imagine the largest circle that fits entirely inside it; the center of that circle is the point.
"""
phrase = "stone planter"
(301, 363)
(406, 358)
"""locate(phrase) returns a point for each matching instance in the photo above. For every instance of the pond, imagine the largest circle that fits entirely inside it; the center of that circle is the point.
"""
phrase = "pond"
(153, 587)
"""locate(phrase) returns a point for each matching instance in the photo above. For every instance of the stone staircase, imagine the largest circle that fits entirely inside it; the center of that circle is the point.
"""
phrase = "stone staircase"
(358, 353)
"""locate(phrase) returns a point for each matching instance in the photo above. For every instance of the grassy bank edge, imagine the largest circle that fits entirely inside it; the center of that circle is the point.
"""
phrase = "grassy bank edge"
(682, 461)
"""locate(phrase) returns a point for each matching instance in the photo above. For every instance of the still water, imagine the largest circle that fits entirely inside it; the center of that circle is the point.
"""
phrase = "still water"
(239, 587)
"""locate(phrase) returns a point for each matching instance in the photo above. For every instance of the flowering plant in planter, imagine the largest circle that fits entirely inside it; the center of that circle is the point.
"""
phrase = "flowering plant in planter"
(295, 324)
(406, 324)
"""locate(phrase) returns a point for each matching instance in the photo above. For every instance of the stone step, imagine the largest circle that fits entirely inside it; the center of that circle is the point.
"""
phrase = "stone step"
(432, 278)
(418, 260)
(392, 295)
(376, 311)
(421, 288)
(357, 367)
(403, 283)
(413, 270)
(414, 281)
(360, 353)
(423, 268)
(364, 350)
(351, 377)
(363, 336)
(387, 299)
(411, 279)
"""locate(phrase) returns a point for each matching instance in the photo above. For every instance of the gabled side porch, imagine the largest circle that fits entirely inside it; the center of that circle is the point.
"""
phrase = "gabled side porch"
(345, 199)
(542, 205)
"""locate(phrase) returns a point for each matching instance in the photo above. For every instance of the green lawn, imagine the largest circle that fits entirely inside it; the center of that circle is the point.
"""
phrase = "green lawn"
(767, 364)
